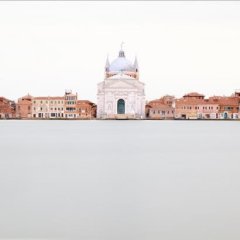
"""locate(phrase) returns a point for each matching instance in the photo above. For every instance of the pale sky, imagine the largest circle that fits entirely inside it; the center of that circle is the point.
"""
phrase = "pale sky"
(47, 47)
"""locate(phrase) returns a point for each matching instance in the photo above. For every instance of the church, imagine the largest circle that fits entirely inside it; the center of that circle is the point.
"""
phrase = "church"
(121, 95)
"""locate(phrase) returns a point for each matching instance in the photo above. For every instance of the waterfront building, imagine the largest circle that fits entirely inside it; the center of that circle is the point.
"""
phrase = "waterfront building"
(228, 107)
(48, 107)
(187, 107)
(86, 109)
(121, 95)
(162, 108)
(195, 106)
(70, 110)
(208, 109)
(7, 108)
(60, 107)
(24, 107)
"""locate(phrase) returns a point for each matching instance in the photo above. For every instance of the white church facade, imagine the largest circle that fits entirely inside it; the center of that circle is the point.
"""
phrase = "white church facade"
(121, 95)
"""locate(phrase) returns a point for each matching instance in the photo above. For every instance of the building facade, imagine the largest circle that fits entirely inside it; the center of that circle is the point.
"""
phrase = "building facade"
(48, 107)
(63, 107)
(228, 107)
(7, 108)
(162, 108)
(70, 105)
(24, 107)
(121, 95)
(187, 107)
(86, 109)
(195, 106)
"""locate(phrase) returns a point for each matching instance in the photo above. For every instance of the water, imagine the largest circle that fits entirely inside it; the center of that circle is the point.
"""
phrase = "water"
(115, 180)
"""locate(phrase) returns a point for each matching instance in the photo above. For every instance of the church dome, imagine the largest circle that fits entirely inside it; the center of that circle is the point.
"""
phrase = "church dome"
(121, 64)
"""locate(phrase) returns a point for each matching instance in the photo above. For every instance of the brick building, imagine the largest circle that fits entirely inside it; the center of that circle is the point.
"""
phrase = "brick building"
(228, 107)
(86, 109)
(195, 106)
(24, 107)
(187, 107)
(162, 108)
(7, 108)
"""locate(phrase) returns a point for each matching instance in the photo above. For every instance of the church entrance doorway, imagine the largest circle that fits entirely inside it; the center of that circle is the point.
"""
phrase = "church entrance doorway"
(120, 106)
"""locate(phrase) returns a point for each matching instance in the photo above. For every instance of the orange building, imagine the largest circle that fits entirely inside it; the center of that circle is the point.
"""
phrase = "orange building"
(24, 107)
(194, 106)
(162, 108)
(7, 108)
(228, 107)
(208, 109)
(187, 107)
(86, 109)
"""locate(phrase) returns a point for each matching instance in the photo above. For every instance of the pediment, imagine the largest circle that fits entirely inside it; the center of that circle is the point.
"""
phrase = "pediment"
(121, 84)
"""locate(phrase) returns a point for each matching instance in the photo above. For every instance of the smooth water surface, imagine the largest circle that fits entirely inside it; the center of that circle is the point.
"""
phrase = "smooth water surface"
(120, 180)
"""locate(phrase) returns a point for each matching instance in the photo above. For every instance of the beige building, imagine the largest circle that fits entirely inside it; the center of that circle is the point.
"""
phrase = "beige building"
(162, 108)
(65, 107)
(70, 110)
(48, 107)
